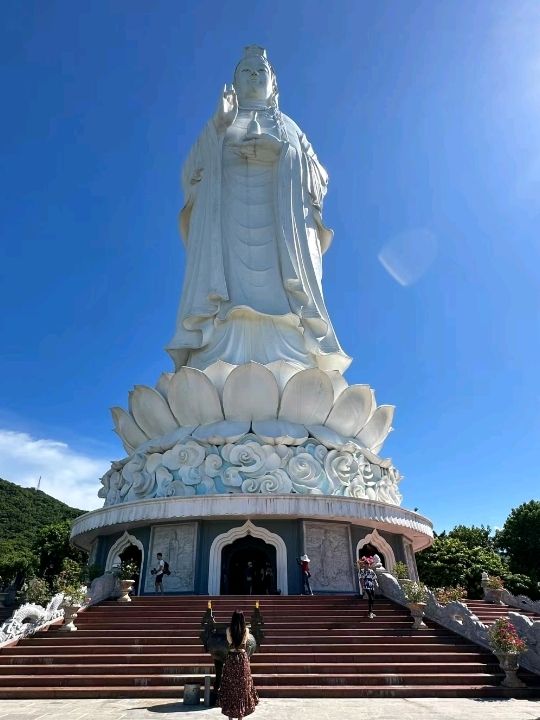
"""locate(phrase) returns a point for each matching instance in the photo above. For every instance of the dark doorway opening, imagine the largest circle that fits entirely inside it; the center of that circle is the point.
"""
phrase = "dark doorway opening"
(132, 554)
(236, 572)
(369, 550)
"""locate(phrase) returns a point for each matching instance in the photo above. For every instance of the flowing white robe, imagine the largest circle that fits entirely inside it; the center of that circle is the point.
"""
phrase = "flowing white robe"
(254, 240)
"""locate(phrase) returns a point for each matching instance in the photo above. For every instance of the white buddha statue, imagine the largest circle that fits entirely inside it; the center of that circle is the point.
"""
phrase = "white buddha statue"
(254, 236)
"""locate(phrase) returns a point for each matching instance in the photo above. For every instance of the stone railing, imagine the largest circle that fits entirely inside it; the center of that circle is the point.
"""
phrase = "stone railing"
(505, 597)
(520, 601)
(30, 618)
(102, 588)
(458, 618)
(529, 630)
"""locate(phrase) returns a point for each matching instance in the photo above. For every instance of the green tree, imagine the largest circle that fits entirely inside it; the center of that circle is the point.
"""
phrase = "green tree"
(16, 562)
(450, 562)
(474, 536)
(519, 539)
(52, 547)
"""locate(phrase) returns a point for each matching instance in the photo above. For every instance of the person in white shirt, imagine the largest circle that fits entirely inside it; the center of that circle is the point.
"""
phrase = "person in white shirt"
(158, 573)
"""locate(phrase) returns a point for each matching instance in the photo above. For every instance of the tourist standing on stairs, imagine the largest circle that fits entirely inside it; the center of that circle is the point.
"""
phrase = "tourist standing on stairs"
(304, 569)
(368, 581)
(237, 695)
(268, 579)
(158, 573)
(250, 574)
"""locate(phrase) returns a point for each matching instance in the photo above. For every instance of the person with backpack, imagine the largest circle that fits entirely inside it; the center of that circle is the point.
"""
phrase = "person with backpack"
(159, 571)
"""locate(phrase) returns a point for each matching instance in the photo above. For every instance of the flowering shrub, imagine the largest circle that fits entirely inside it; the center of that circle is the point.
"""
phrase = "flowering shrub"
(503, 637)
(447, 595)
(415, 592)
(69, 582)
(128, 570)
(36, 591)
(494, 583)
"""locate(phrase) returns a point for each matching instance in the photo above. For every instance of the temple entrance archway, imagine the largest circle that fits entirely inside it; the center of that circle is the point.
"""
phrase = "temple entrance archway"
(369, 550)
(375, 543)
(133, 554)
(245, 559)
(127, 548)
(239, 554)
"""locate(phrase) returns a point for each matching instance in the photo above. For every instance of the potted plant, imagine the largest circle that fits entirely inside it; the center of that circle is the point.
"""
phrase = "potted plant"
(126, 571)
(493, 589)
(507, 646)
(74, 596)
(416, 596)
(69, 583)
(401, 571)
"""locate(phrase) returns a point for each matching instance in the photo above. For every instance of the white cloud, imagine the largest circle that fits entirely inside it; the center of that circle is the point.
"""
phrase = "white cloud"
(66, 474)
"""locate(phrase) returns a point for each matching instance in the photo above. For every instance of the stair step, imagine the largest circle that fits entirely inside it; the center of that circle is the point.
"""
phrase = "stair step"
(277, 691)
(154, 666)
(102, 680)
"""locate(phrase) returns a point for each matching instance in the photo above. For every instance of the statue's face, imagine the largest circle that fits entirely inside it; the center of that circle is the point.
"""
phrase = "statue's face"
(253, 79)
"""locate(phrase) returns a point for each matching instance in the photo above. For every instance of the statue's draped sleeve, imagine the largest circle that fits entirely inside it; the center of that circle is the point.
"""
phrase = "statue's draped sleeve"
(301, 187)
(317, 186)
(205, 286)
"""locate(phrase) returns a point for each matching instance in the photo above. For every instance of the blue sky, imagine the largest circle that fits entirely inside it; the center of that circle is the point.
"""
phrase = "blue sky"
(427, 116)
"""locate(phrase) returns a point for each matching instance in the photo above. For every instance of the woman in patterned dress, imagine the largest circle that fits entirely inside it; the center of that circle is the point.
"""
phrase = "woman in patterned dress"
(368, 581)
(237, 694)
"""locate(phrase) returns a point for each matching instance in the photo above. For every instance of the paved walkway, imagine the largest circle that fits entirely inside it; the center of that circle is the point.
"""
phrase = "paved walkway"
(346, 709)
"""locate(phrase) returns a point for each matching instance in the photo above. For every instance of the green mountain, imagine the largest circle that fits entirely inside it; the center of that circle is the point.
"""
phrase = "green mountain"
(24, 511)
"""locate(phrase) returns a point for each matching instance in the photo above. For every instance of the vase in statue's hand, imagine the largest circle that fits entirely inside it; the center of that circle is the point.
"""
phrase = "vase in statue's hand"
(227, 108)
(253, 129)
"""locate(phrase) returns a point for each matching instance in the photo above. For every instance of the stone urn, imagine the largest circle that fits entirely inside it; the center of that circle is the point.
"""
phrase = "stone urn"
(417, 611)
(70, 613)
(126, 586)
(509, 662)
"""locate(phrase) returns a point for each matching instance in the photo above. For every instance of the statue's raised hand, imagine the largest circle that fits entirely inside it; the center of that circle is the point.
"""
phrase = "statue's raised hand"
(227, 108)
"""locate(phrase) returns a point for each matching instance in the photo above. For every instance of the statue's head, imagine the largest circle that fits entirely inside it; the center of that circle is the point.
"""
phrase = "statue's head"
(254, 77)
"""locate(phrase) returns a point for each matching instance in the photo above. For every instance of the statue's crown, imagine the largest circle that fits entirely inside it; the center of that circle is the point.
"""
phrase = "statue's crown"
(254, 51)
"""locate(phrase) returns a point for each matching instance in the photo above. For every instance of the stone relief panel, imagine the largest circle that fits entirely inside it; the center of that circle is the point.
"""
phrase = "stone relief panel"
(177, 543)
(328, 546)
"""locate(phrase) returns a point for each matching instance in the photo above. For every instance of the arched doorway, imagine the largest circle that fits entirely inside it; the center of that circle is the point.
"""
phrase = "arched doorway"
(116, 555)
(375, 543)
(132, 554)
(227, 538)
(369, 550)
(248, 557)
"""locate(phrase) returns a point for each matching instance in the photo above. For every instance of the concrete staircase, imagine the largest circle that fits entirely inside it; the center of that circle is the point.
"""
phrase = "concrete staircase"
(322, 646)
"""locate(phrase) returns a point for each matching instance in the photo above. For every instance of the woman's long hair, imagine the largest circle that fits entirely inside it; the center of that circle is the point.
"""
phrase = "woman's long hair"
(237, 627)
